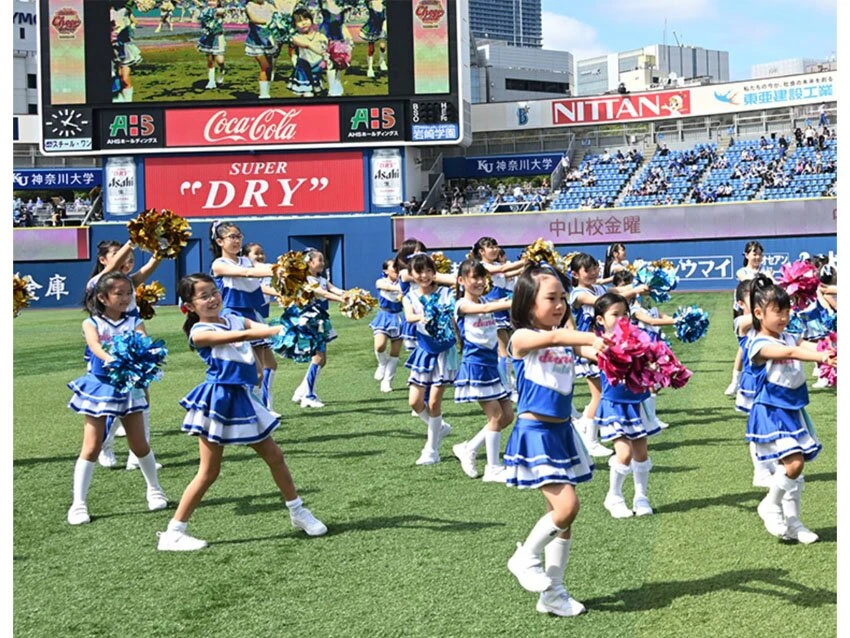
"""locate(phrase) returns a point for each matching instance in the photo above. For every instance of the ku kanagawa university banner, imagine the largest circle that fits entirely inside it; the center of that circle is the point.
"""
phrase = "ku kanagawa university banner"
(248, 185)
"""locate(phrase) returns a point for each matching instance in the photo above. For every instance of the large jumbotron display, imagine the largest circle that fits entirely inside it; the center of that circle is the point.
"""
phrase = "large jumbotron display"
(172, 75)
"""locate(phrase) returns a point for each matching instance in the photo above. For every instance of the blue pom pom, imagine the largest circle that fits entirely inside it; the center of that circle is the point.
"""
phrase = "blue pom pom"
(796, 325)
(137, 360)
(691, 323)
(304, 332)
(660, 282)
(438, 318)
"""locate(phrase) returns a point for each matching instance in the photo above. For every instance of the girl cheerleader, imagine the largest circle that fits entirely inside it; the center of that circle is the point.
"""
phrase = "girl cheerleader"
(615, 261)
(743, 323)
(240, 282)
(386, 326)
(125, 52)
(375, 31)
(325, 291)
(585, 271)
(258, 44)
(620, 420)
(334, 29)
(651, 320)
(221, 411)
(544, 451)
(165, 11)
(96, 398)
(312, 46)
(487, 251)
(111, 257)
(433, 363)
(753, 265)
(478, 378)
(257, 255)
(778, 423)
(212, 42)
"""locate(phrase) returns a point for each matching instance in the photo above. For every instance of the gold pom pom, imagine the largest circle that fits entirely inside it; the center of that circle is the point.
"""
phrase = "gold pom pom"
(663, 264)
(357, 303)
(147, 295)
(442, 263)
(21, 293)
(162, 232)
(145, 5)
(543, 251)
(289, 279)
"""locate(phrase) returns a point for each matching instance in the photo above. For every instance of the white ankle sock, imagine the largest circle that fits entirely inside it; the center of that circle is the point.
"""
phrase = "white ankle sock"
(618, 474)
(389, 371)
(382, 357)
(177, 526)
(425, 415)
(294, 504)
(557, 556)
(640, 473)
(434, 425)
(83, 471)
(147, 464)
(492, 443)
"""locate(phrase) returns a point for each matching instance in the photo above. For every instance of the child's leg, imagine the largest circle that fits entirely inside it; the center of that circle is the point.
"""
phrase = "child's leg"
(791, 510)
(219, 60)
(392, 365)
(784, 480)
(210, 71)
(265, 66)
(381, 354)
(504, 362)
(84, 468)
(557, 600)
(208, 469)
(641, 465)
(265, 358)
(436, 430)
(762, 470)
(620, 466)
(300, 516)
(307, 389)
(595, 387)
(370, 52)
(383, 49)
(736, 372)
(134, 425)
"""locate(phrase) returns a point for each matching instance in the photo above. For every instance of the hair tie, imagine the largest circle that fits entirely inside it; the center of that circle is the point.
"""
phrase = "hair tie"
(214, 230)
(412, 255)
(184, 308)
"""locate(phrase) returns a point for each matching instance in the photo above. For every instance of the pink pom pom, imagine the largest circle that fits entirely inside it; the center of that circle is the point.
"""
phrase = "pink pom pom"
(826, 371)
(800, 280)
(340, 54)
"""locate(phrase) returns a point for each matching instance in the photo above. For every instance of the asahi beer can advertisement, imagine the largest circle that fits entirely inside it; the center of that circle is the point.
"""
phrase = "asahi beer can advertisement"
(120, 185)
(387, 188)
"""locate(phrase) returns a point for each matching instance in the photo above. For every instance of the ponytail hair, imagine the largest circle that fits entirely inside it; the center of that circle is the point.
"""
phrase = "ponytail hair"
(609, 258)
(186, 291)
(483, 242)
(408, 248)
(742, 292)
(93, 305)
(765, 293)
(217, 231)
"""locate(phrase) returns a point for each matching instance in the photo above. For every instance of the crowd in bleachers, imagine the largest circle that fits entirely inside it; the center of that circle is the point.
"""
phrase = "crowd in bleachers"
(53, 212)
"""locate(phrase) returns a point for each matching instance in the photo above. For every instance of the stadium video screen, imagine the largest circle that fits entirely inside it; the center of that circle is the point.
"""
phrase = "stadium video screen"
(124, 73)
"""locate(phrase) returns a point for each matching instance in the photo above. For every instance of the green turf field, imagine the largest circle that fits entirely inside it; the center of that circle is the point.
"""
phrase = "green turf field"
(411, 551)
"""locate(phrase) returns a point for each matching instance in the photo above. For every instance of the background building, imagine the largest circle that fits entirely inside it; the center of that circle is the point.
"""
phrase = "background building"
(793, 66)
(640, 69)
(503, 73)
(24, 62)
(517, 22)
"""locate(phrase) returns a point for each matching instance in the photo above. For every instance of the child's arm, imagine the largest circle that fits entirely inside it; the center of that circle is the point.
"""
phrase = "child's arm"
(118, 258)
(210, 337)
(469, 308)
(268, 290)
(409, 315)
(327, 294)
(800, 353)
(745, 322)
(223, 269)
(254, 15)
(645, 317)
(142, 274)
(383, 284)
(508, 269)
(588, 352)
(524, 341)
(336, 290)
(630, 292)
(93, 342)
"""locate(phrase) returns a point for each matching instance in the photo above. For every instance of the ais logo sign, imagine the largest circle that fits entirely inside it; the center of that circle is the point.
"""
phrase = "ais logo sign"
(122, 129)
(373, 123)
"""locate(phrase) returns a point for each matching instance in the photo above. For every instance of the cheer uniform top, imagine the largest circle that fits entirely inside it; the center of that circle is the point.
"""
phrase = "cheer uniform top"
(499, 291)
(223, 409)
(240, 295)
(258, 41)
(434, 359)
(323, 305)
(654, 332)
(478, 376)
(332, 23)
(212, 28)
(818, 320)
(618, 414)
(408, 330)
(583, 314)
(778, 423)
(93, 393)
(374, 29)
(390, 311)
(132, 309)
(309, 67)
(746, 381)
(540, 452)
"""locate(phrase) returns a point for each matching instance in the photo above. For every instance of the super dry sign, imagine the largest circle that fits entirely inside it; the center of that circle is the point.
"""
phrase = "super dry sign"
(621, 108)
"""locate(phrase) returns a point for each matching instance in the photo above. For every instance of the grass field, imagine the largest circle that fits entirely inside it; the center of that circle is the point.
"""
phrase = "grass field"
(173, 70)
(411, 551)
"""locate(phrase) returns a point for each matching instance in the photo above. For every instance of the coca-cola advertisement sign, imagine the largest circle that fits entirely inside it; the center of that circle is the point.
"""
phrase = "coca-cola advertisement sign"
(618, 108)
(252, 126)
(266, 184)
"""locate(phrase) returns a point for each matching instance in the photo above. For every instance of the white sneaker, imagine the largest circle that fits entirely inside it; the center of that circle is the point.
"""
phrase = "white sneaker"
(133, 463)
(595, 448)
(774, 521)
(732, 390)
(379, 372)
(382, 65)
(370, 73)
(617, 507)
(172, 541)
(559, 602)
(157, 500)
(414, 413)
(661, 424)
(821, 383)
(641, 507)
(386, 385)
(528, 570)
(302, 518)
(307, 402)
(762, 478)
(445, 430)
(120, 432)
(495, 474)
(211, 85)
(78, 514)
(428, 457)
(796, 531)
(466, 458)
(106, 458)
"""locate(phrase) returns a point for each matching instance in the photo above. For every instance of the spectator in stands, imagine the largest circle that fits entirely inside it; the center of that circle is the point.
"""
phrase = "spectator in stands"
(823, 120)
(411, 207)
(589, 180)
(663, 151)
(619, 158)
(810, 135)
(605, 158)
(830, 167)
(821, 142)
(783, 143)
(764, 144)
